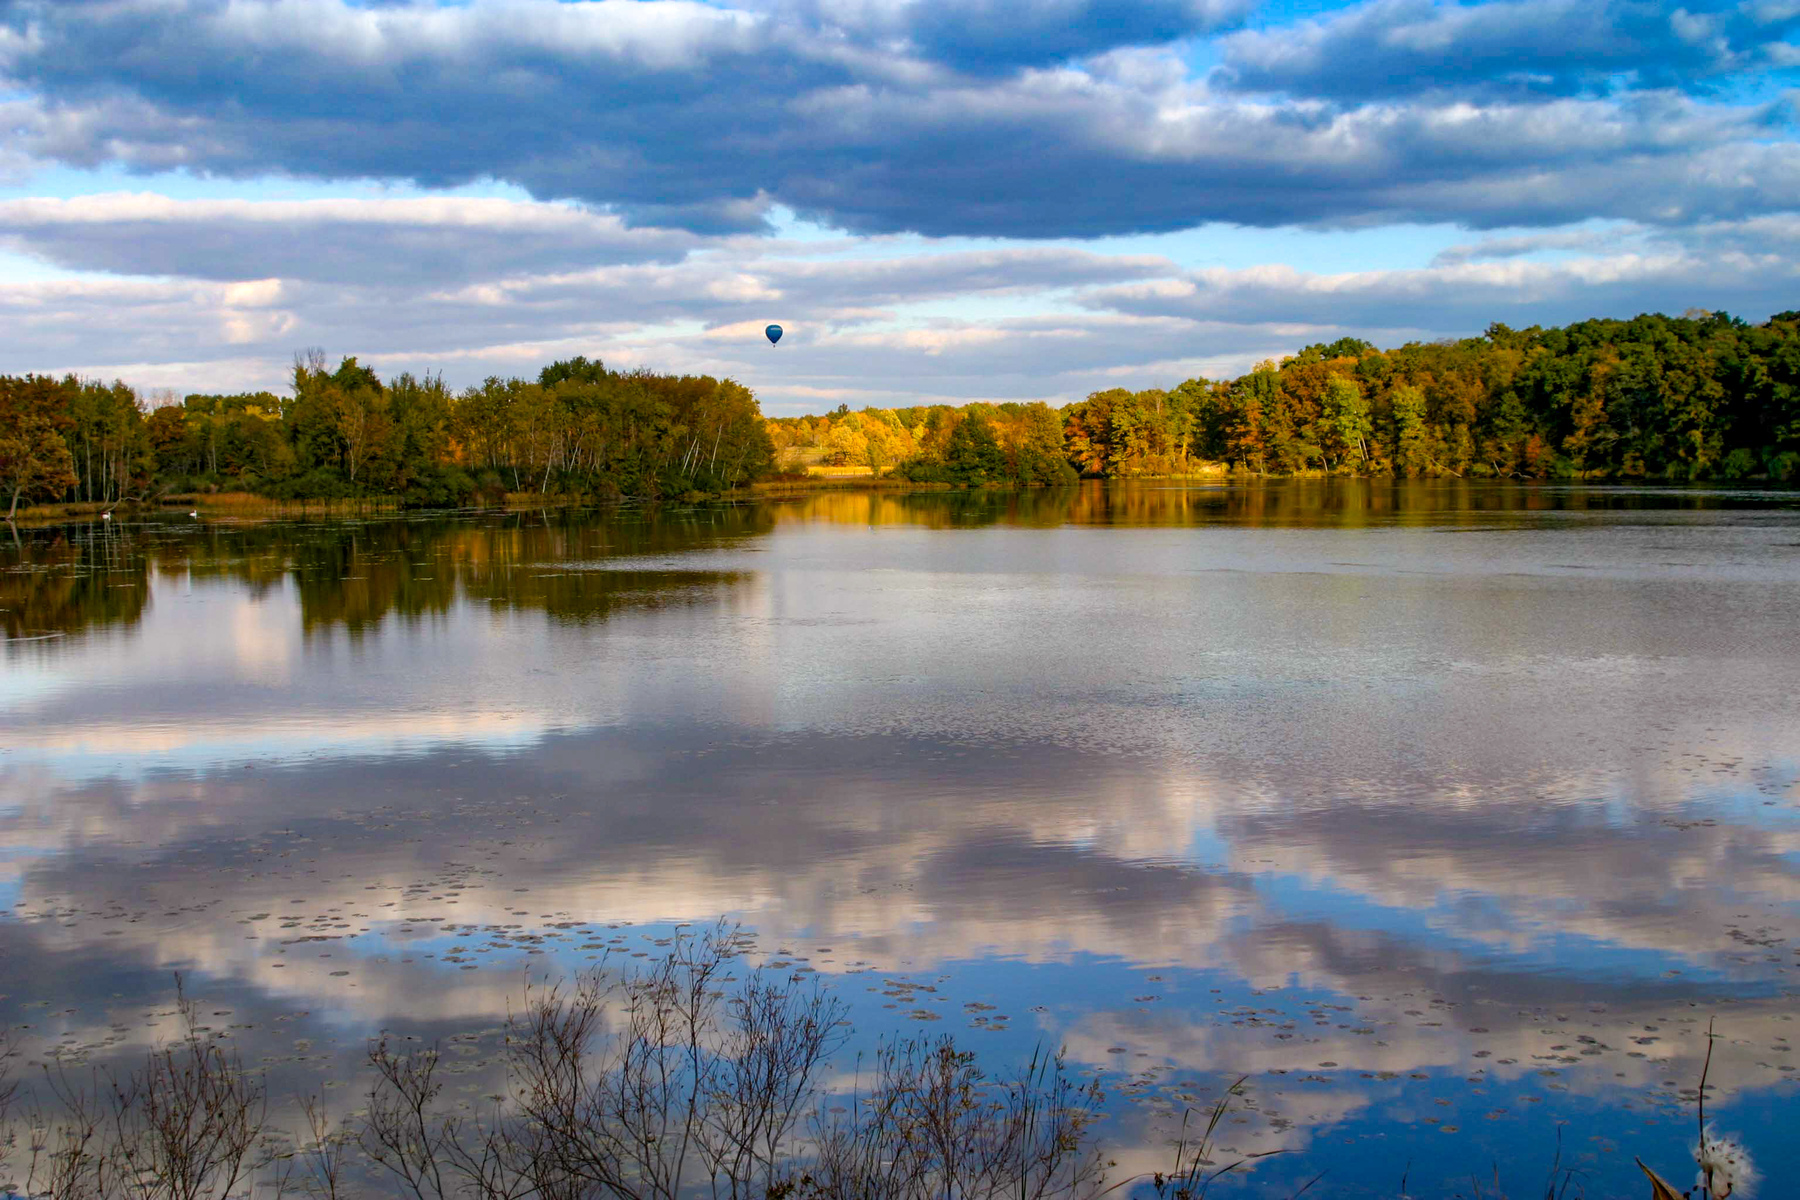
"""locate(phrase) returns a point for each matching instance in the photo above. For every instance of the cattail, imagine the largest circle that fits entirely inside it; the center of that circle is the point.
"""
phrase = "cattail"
(1725, 1168)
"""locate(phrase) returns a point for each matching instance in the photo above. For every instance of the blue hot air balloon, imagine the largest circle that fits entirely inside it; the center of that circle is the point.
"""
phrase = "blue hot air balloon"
(774, 332)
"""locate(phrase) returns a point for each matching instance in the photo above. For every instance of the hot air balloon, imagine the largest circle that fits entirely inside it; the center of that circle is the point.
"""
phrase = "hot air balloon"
(774, 333)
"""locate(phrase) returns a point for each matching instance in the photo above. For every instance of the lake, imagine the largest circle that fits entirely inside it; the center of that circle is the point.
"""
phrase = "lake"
(1448, 815)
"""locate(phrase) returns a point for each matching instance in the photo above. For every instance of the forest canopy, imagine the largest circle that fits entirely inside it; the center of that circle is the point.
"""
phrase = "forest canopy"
(1704, 396)
(578, 429)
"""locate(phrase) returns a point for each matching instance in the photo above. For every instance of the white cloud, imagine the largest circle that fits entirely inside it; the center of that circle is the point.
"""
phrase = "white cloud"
(412, 240)
(870, 320)
(1463, 292)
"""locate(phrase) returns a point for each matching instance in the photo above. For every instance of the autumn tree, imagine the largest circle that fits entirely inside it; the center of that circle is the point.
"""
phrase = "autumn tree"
(34, 459)
(885, 441)
(847, 444)
(1699, 396)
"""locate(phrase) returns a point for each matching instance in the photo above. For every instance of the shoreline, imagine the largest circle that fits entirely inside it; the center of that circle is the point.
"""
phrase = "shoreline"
(249, 506)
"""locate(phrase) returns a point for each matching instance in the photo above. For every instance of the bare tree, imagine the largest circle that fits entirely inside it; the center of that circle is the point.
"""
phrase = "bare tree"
(401, 1130)
(649, 1082)
(190, 1123)
(64, 1156)
(777, 1037)
(935, 1125)
(323, 1155)
(632, 1083)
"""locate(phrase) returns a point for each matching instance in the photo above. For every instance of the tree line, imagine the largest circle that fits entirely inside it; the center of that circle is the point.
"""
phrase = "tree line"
(1705, 396)
(975, 444)
(578, 429)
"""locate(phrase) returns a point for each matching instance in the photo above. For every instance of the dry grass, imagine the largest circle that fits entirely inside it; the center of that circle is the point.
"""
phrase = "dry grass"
(250, 504)
(805, 485)
(1196, 1169)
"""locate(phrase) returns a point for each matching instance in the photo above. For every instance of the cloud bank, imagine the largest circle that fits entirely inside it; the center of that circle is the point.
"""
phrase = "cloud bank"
(959, 165)
(1075, 119)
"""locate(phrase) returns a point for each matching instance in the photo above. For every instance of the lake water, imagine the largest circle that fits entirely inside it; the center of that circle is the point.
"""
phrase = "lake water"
(1449, 815)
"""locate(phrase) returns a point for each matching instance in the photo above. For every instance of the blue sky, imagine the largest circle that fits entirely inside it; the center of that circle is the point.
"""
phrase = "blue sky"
(987, 199)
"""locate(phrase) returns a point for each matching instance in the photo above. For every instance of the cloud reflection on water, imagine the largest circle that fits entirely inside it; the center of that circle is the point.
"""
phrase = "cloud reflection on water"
(1488, 805)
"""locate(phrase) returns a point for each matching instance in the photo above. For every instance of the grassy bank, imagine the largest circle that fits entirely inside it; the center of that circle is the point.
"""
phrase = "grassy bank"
(800, 485)
(220, 504)
(250, 506)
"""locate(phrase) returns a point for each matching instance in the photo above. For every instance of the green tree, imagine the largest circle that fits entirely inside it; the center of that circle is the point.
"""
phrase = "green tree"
(577, 370)
(1345, 419)
(102, 426)
(1411, 453)
(973, 453)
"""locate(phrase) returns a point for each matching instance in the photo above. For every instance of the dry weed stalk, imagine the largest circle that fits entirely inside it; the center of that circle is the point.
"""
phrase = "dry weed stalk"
(655, 1083)
(319, 1161)
(189, 1124)
(1189, 1178)
(1725, 1165)
(935, 1125)
(401, 1129)
(9, 1094)
(630, 1084)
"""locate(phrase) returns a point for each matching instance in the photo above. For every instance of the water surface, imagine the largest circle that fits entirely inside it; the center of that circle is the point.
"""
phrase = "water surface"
(1451, 815)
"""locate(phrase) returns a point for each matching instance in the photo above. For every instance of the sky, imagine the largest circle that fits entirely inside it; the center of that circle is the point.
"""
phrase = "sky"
(938, 201)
